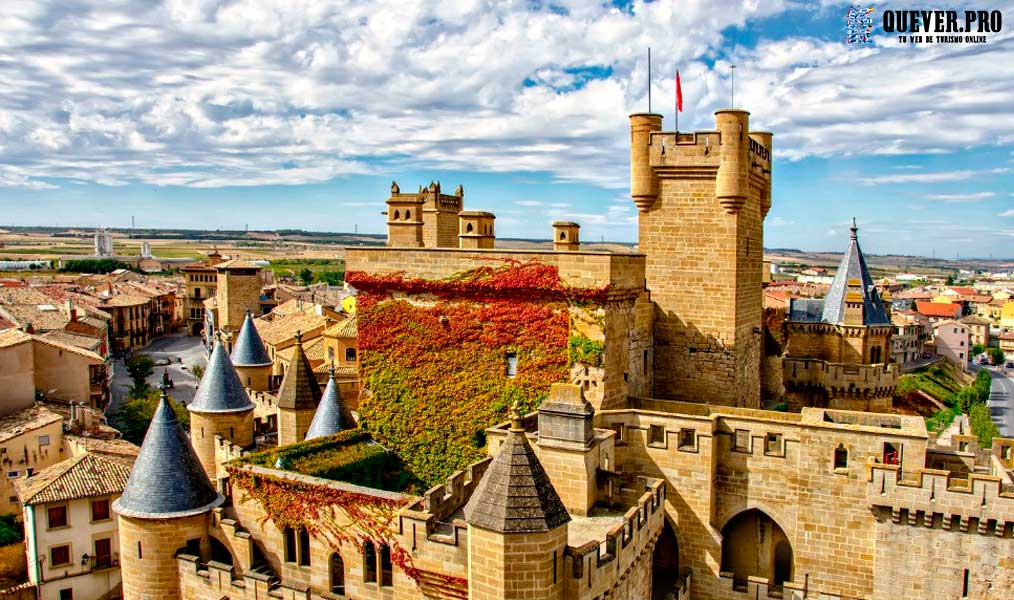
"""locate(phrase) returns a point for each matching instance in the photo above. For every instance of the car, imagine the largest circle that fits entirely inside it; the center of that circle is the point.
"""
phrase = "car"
(1010, 365)
(983, 361)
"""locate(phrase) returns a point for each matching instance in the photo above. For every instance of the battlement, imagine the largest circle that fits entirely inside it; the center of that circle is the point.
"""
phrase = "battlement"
(841, 377)
(622, 273)
(933, 499)
(596, 564)
(214, 579)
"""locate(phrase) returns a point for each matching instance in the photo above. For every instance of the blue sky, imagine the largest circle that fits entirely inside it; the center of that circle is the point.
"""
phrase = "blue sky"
(299, 113)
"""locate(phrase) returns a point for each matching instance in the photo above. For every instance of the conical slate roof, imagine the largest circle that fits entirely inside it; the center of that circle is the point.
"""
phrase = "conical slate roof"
(249, 349)
(220, 390)
(299, 389)
(167, 480)
(853, 267)
(329, 418)
(515, 495)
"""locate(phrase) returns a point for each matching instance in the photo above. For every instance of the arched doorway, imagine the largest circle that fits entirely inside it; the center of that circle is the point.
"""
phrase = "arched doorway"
(196, 329)
(220, 553)
(753, 545)
(665, 571)
(337, 574)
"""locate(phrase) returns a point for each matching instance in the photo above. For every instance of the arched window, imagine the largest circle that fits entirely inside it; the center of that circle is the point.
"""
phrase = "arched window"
(304, 547)
(563, 235)
(397, 215)
(337, 568)
(369, 563)
(468, 228)
(841, 457)
(408, 215)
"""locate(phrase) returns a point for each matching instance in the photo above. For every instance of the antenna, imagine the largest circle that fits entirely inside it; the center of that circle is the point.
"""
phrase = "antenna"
(732, 74)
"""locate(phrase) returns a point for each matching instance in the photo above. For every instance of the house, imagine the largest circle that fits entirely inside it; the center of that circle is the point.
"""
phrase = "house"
(71, 535)
(978, 329)
(47, 366)
(938, 311)
(953, 341)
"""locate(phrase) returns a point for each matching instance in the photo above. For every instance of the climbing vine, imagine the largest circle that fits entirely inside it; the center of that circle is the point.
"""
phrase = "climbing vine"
(438, 369)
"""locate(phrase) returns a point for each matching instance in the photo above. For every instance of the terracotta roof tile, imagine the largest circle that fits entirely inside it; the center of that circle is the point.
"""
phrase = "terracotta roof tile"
(85, 476)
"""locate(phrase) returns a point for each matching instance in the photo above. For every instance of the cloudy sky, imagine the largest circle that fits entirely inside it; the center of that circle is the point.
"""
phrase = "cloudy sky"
(299, 113)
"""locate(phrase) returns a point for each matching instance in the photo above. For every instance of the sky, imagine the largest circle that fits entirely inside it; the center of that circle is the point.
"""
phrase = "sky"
(272, 114)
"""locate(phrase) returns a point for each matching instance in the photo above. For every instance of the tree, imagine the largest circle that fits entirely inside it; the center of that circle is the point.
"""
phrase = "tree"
(198, 371)
(140, 367)
(306, 276)
(331, 277)
(996, 356)
(134, 415)
(978, 349)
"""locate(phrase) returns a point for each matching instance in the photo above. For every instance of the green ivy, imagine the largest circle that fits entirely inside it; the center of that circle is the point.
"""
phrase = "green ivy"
(585, 351)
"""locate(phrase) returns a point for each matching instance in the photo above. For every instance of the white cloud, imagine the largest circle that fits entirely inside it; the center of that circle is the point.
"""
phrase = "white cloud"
(969, 197)
(1007, 213)
(938, 177)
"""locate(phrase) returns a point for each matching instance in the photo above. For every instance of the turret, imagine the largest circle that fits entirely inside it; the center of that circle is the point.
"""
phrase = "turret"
(517, 526)
(163, 510)
(476, 229)
(221, 407)
(643, 182)
(331, 416)
(404, 219)
(566, 236)
(568, 446)
(734, 166)
(250, 357)
(297, 398)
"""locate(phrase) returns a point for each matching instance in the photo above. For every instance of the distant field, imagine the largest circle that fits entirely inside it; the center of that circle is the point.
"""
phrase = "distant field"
(292, 267)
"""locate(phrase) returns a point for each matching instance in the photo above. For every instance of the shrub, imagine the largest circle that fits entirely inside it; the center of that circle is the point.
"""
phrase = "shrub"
(134, 415)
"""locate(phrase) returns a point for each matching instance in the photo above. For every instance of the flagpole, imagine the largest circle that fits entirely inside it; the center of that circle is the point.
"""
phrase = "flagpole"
(732, 74)
(676, 105)
(649, 79)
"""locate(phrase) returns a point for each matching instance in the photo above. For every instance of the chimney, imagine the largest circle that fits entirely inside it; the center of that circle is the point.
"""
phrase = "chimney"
(71, 312)
(566, 236)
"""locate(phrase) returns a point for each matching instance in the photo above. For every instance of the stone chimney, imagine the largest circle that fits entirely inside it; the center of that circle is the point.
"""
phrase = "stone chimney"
(476, 229)
(566, 236)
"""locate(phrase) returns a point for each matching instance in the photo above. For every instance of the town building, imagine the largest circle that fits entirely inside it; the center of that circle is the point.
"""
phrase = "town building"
(647, 471)
(978, 329)
(44, 367)
(938, 311)
(952, 340)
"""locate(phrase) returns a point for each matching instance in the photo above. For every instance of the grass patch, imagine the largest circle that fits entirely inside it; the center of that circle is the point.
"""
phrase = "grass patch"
(935, 380)
(942, 419)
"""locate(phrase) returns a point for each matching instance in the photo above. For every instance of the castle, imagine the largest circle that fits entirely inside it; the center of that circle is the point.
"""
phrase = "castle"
(568, 424)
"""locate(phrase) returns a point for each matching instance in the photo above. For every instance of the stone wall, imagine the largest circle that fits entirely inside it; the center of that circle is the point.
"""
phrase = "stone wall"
(147, 555)
(239, 291)
(236, 427)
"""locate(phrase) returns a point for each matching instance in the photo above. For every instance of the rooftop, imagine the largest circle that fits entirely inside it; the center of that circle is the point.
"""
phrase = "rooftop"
(23, 421)
(249, 349)
(85, 476)
(220, 391)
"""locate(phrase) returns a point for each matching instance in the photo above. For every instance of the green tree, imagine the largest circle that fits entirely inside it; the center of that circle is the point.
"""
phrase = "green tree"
(331, 277)
(92, 265)
(11, 531)
(996, 356)
(198, 371)
(306, 276)
(140, 367)
(982, 425)
(978, 349)
(134, 415)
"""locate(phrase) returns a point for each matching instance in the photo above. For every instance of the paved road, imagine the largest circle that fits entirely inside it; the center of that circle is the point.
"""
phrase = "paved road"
(1001, 399)
(171, 348)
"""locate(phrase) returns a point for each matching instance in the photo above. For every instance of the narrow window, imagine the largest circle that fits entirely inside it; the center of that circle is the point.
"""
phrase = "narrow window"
(618, 428)
(512, 364)
(741, 440)
(554, 566)
(773, 443)
(350, 354)
(645, 360)
(468, 228)
(563, 236)
(386, 570)
(290, 544)
(304, 547)
(397, 215)
(841, 457)
(139, 553)
(369, 563)
(57, 516)
(337, 574)
(59, 555)
(964, 584)
(656, 435)
(408, 215)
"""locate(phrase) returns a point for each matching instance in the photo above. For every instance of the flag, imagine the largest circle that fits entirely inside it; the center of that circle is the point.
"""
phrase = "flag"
(679, 92)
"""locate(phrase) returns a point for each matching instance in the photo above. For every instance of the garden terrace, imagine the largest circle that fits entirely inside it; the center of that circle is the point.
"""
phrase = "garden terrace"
(348, 456)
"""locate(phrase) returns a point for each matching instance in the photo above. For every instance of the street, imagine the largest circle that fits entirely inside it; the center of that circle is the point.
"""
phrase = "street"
(1001, 400)
(171, 348)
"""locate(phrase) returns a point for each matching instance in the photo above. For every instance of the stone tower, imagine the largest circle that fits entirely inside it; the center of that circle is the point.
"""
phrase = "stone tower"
(297, 398)
(404, 219)
(440, 216)
(164, 509)
(253, 365)
(517, 527)
(702, 198)
(476, 229)
(238, 292)
(220, 407)
(566, 236)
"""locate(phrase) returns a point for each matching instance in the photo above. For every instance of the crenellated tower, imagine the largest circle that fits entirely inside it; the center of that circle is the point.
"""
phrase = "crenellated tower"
(701, 199)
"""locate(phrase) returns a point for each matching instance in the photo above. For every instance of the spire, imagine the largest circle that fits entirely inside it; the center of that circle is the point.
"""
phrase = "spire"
(853, 278)
(330, 416)
(515, 495)
(299, 389)
(220, 391)
(167, 480)
(249, 349)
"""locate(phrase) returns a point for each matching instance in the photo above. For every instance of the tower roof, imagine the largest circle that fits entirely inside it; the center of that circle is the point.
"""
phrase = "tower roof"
(853, 269)
(515, 494)
(249, 350)
(299, 389)
(220, 390)
(167, 480)
(330, 416)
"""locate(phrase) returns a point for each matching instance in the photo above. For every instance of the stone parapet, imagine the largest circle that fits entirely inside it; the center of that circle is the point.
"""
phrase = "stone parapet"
(933, 499)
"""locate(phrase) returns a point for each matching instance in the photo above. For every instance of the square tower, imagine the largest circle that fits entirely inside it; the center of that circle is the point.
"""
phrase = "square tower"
(440, 216)
(702, 198)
